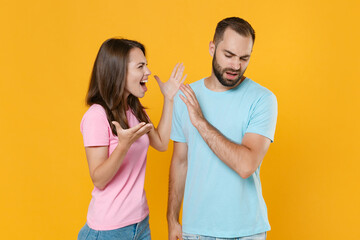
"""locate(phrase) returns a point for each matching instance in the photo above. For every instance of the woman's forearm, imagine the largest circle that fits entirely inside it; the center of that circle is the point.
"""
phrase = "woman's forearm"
(103, 173)
(159, 139)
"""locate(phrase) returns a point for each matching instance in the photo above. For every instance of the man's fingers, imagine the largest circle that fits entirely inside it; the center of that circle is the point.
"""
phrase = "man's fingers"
(188, 94)
(191, 92)
(176, 236)
(179, 235)
(184, 99)
(187, 99)
(190, 89)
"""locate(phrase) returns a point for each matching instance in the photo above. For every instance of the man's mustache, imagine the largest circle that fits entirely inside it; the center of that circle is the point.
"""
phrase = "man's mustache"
(231, 70)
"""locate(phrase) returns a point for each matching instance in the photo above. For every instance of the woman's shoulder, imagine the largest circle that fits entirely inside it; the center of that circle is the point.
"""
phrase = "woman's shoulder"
(95, 114)
(95, 127)
(95, 110)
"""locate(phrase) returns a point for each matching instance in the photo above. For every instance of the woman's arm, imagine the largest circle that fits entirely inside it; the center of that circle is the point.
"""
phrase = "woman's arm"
(159, 137)
(103, 168)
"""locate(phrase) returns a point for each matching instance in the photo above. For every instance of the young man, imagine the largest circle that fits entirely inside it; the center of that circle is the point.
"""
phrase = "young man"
(222, 128)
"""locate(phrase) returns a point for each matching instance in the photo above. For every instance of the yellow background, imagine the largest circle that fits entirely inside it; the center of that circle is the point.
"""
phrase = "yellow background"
(306, 52)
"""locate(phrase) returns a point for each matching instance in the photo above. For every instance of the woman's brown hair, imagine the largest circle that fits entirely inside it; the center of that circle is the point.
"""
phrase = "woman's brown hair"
(107, 82)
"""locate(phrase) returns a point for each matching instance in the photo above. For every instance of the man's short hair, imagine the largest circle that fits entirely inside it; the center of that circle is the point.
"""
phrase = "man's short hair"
(237, 24)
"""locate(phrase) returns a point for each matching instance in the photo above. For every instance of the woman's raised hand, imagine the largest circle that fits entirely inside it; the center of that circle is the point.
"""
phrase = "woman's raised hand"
(130, 135)
(170, 88)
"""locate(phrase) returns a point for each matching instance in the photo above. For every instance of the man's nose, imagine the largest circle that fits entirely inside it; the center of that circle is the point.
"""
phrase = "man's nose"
(236, 64)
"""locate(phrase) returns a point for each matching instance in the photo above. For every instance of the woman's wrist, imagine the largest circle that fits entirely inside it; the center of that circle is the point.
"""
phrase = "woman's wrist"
(123, 146)
(168, 99)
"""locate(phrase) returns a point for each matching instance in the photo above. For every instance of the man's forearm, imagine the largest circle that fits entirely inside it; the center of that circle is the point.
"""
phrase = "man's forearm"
(236, 156)
(243, 158)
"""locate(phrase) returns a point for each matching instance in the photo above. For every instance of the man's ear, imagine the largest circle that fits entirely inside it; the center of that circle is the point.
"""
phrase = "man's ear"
(212, 48)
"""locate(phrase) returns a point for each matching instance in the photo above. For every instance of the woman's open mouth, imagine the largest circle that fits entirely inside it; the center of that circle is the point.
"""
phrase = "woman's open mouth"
(143, 85)
(143, 82)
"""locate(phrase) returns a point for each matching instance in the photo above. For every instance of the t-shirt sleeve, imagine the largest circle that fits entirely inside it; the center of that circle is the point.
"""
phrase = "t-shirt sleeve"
(263, 118)
(177, 133)
(95, 128)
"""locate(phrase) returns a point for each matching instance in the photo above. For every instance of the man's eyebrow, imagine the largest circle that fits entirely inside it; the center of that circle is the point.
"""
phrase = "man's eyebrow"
(245, 56)
(233, 54)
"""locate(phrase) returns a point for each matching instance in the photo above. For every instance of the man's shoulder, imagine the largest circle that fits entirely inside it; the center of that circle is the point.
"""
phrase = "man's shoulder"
(258, 89)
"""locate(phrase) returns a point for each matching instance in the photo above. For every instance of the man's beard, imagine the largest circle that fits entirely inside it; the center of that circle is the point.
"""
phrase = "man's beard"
(219, 72)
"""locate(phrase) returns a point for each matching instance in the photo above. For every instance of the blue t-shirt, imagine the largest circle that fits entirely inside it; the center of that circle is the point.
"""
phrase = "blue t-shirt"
(217, 201)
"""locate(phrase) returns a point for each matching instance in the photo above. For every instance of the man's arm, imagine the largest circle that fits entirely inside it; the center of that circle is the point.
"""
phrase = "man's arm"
(178, 170)
(243, 158)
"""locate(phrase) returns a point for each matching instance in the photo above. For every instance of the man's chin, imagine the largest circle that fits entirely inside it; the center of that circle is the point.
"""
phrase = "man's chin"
(227, 83)
(230, 82)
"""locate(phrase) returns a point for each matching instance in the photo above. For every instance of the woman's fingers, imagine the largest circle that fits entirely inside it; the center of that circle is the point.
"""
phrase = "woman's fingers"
(183, 79)
(136, 128)
(117, 125)
(174, 71)
(143, 130)
(158, 80)
(132, 134)
(179, 72)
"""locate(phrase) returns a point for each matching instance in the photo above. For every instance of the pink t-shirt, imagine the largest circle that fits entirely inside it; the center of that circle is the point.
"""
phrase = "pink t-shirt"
(123, 201)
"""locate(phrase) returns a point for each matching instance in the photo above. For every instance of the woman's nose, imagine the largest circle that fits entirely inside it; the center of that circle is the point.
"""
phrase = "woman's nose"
(147, 71)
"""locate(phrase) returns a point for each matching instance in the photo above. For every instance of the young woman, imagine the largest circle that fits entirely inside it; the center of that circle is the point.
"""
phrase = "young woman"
(117, 133)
